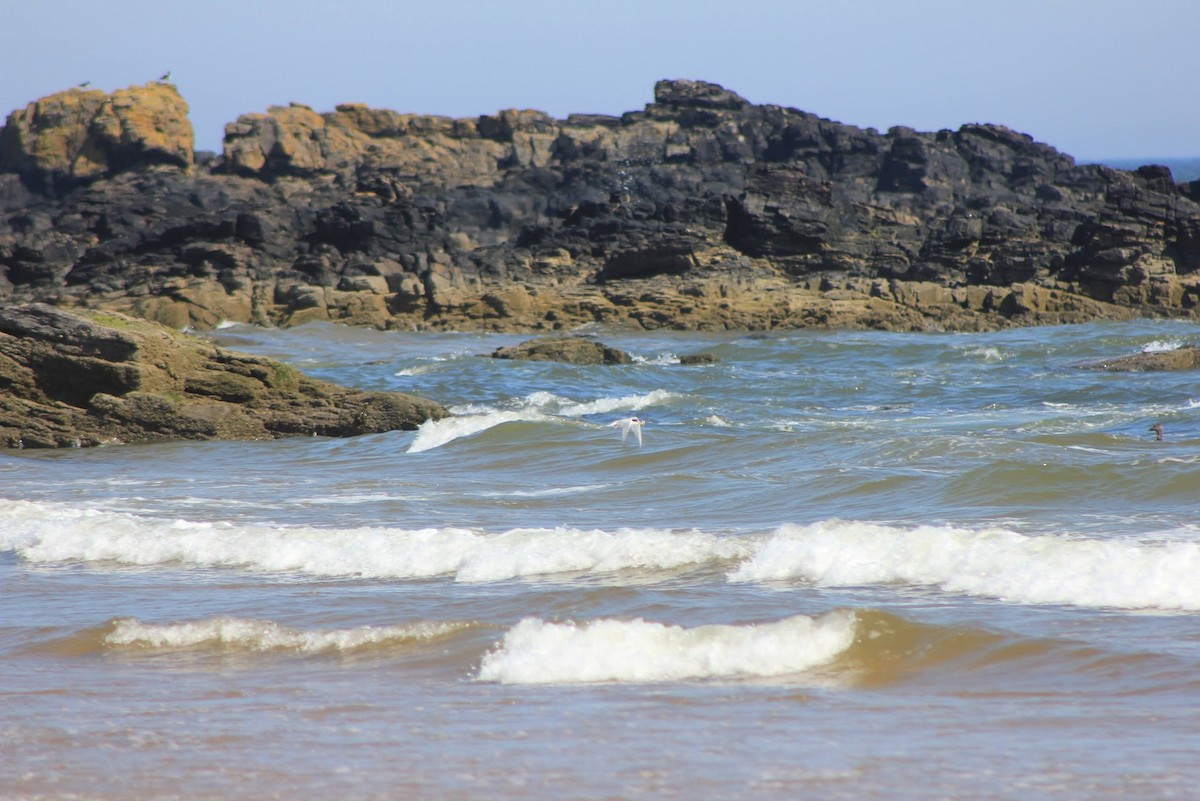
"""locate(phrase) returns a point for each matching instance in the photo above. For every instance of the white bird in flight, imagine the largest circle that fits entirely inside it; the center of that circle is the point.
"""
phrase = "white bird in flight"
(629, 424)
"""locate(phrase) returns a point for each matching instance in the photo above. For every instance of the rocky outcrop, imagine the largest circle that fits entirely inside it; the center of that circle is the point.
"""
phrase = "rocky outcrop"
(696, 359)
(84, 134)
(1185, 358)
(572, 350)
(701, 211)
(79, 379)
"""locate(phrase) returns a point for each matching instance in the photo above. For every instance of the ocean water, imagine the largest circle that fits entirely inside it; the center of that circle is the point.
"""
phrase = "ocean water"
(1183, 170)
(843, 565)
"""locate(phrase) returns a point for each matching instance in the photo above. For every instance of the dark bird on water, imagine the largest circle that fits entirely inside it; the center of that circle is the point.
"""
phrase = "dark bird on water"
(1158, 431)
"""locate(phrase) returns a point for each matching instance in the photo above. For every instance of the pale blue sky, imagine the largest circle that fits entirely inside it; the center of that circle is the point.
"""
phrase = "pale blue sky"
(1095, 78)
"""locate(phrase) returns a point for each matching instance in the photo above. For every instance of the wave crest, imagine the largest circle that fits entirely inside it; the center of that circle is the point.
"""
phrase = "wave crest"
(244, 634)
(538, 407)
(991, 563)
(46, 533)
(539, 652)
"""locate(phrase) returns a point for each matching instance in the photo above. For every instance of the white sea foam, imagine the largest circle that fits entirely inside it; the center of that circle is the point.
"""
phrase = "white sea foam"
(664, 358)
(988, 354)
(265, 635)
(406, 372)
(549, 492)
(352, 499)
(469, 419)
(471, 408)
(1178, 460)
(550, 403)
(539, 652)
(1159, 573)
(431, 363)
(436, 433)
(992, 563)
(50, 533)
(1159, 345)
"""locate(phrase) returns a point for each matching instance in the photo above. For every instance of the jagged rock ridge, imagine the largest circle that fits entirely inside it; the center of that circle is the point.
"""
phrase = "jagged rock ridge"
(700, 211)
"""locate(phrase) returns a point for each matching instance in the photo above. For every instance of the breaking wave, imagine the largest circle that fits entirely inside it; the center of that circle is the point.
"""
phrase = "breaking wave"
(992, 563)
(49, 533)
(540, 407)
(242, 634)
(540, 652)
(1156, 573)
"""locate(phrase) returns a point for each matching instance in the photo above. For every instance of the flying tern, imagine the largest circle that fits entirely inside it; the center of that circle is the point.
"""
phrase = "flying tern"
(629, 424)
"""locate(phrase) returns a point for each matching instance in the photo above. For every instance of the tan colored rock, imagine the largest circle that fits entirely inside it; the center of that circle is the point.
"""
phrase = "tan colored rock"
(290, 136)
(198, 303)
(375, 284)
(511, 301)
(83, 135)
(573, 350)
(49, 135)
(73, 379)
(1185, 358)
(313, 314)
(297, 140)
(361, 308)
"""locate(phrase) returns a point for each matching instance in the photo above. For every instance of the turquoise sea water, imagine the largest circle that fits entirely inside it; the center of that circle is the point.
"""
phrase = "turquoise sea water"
(842, 565)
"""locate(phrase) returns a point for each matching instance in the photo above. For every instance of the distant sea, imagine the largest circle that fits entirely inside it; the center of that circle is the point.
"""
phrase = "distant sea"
(842, 566)
(1183, 170)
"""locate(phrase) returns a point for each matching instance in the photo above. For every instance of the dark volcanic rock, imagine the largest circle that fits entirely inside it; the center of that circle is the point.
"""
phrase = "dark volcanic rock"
(89, 378)
(573, 350)
(701, 211)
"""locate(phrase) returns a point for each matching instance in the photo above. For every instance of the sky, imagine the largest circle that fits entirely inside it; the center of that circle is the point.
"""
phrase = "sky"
(1098, 79)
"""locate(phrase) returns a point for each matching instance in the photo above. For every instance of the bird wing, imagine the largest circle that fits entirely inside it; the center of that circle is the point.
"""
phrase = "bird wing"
(625, 425)
(637, 432)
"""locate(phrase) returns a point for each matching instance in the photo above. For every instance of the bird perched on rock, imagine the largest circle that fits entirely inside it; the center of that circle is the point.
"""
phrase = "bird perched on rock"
(629, 424)
(85, 84)
(166, 76)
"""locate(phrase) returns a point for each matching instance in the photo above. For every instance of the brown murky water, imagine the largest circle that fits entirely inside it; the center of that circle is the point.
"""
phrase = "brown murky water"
(842, 566)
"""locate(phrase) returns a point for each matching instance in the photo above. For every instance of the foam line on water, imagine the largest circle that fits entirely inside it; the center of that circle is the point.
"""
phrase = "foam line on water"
(1158, 573)
(47, 533)
(264, 635)
(550, 403)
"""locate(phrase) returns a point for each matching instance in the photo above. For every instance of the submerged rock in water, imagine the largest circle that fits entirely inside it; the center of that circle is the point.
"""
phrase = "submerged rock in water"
(1185, 358)
(573, 350)
(73, 378)
(698, 358)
